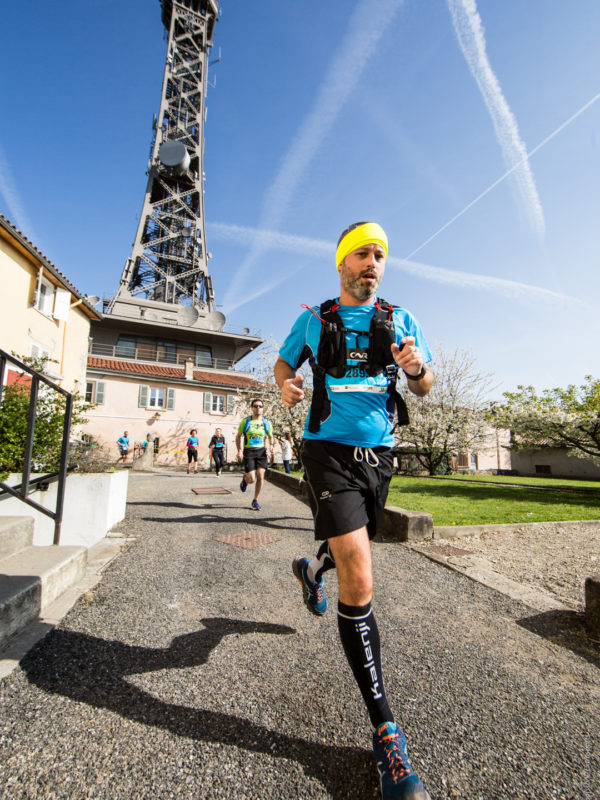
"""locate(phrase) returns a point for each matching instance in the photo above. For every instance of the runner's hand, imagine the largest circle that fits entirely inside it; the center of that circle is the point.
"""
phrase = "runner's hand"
(292, 392)
(240, 455)
(408, 357)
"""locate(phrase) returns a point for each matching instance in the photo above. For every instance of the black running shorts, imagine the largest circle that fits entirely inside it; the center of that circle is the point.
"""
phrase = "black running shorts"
(192, 454)
(345, 493)
(254, 457)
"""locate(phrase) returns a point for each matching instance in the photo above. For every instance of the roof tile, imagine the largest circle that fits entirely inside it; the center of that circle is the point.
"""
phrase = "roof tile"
(160, 371)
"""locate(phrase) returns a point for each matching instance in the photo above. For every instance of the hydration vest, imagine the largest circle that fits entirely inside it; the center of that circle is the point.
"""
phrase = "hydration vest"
(332, 355)
(249, 420)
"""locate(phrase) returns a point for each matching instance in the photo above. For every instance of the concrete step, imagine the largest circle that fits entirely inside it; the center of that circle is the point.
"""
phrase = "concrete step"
(32, 579)
(16, 533)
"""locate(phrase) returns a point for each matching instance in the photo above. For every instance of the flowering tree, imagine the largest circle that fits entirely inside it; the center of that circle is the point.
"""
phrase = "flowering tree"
(49, 421)
(451, 419)
(282, 419)
(567, 418)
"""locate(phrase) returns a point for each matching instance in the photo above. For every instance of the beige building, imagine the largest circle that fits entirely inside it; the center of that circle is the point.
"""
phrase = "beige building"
(143, 397)
(41, 312)
(165, 368)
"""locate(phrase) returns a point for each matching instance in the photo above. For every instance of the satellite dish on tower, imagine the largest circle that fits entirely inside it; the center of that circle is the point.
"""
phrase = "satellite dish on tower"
(214, 321)
(174, 157)
(187, 315)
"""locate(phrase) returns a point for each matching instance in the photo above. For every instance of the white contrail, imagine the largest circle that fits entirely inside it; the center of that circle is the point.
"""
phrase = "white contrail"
(493, 185)
(366, 25)
(301, 245)
(16, 211)
(471, 38)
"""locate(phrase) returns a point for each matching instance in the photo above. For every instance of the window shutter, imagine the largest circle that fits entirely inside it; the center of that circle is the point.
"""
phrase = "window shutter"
(230, 403)
(100, 391)
(62, 301)
(143, 397)
(170, 399)
(207, 402)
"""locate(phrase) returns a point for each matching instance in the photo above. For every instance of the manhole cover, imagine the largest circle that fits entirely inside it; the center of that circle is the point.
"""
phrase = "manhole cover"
(248, 539)
(449, 550)
(211, 490)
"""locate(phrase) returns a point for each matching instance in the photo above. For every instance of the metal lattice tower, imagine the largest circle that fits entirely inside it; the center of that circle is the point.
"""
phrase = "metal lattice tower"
(168, 263)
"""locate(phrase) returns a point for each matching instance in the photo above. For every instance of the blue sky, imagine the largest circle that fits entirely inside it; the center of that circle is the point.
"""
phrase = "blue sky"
(469, 130)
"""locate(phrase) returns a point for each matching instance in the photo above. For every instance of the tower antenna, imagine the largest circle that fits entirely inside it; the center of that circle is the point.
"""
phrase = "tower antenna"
(168, 263)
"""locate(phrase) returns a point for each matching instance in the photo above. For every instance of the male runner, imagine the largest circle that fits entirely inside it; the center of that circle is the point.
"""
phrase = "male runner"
(255, 433)
(216, 450)
(123, 445)
(348, 462)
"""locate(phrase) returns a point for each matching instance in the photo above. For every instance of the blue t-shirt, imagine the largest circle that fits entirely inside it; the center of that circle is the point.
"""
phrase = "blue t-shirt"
(123, 442)
(362, 407)
(192, 441)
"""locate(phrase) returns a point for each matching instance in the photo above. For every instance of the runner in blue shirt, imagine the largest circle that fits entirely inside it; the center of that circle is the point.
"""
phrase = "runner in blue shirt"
(347, 456)
(192, 450)
(123, 445)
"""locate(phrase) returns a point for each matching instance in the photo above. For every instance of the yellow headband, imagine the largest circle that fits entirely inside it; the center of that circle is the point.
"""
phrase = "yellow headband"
(369, 233)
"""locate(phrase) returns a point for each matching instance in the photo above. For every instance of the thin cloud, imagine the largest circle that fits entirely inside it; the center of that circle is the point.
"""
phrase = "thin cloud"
(365, 27)
(16, 211)
(493, 185)
(282, 242)
(471, 38)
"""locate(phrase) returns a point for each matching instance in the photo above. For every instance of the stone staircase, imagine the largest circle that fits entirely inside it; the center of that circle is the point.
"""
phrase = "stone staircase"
(31, 577)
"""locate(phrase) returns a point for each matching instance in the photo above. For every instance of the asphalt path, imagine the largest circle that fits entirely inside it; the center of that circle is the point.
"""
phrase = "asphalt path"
(193, 670)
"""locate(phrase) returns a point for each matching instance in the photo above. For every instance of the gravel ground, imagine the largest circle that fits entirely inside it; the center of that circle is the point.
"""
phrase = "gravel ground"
(194, 671)
(557, 559)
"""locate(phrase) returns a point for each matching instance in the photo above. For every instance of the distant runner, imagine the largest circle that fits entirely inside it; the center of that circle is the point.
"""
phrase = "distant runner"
(254, 431)
(192, 450)
(359, 347)
(123, 445)
(216, 451)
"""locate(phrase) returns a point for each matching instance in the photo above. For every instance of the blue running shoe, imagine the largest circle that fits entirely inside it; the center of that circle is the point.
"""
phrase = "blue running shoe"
(255, 505)
(398, 779)
(314, 594)
(243, 485)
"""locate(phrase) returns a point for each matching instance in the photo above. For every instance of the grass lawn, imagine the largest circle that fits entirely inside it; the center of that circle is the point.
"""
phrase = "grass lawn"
(532, 481)
(458, 503)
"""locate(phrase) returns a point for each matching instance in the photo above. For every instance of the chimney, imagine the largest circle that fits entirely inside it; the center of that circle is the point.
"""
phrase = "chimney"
(189, 369)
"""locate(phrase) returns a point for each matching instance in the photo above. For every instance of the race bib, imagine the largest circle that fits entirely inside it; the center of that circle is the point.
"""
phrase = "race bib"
(255, 442)
(357, 387)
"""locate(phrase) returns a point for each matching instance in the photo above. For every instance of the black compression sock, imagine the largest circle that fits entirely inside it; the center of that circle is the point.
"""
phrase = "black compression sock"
(320, 563)
(360, 639)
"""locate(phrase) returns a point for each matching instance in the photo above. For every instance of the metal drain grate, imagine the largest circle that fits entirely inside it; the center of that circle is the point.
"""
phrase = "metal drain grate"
(248, 539)
(449, 550)
(211, 490)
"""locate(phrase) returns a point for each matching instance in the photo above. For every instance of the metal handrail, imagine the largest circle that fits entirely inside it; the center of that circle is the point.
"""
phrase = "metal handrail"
(28, 484)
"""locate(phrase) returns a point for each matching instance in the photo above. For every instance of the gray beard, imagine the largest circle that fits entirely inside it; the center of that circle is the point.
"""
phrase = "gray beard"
(357, 290)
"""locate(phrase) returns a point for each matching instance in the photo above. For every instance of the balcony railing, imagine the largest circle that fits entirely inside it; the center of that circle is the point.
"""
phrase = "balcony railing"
(157, 355)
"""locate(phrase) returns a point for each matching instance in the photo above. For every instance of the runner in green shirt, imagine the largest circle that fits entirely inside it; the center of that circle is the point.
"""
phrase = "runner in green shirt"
(253, 431)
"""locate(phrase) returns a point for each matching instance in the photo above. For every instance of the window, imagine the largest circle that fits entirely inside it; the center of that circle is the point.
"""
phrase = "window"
(94, 392)
(203, 357)
(125, 347)
(38, 351)
(156, 398)
(218, 404)
(45, 297)
(543, 469)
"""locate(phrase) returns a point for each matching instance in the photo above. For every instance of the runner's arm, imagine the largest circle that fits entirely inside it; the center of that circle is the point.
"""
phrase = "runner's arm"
(289, 383)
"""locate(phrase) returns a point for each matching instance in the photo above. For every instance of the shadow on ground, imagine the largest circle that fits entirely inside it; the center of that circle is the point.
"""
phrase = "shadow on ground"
(567, 629)
(92, 671)
(259, 520)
